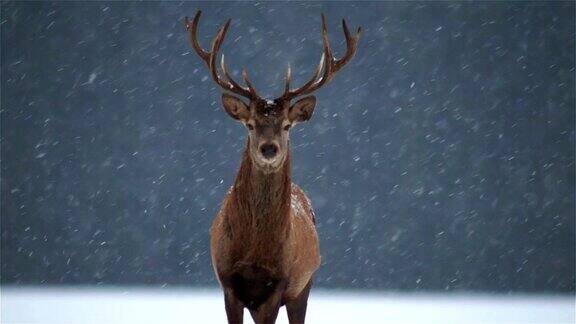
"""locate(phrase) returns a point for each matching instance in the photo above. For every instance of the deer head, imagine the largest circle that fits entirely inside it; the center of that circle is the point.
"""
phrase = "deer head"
(269, 121)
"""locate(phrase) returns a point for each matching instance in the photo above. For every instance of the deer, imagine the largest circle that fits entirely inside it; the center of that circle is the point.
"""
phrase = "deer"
(263, 241)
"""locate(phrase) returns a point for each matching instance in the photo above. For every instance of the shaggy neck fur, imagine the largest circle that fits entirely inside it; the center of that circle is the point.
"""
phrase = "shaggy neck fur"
(260, 210)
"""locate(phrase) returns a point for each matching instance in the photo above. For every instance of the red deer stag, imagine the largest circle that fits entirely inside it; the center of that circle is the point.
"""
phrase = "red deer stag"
(263, 241)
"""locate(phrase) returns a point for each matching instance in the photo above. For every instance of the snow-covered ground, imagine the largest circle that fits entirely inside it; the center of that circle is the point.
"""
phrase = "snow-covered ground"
(134, 305)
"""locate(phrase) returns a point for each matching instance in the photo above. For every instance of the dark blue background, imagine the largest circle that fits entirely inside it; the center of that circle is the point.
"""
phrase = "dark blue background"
(440, 158)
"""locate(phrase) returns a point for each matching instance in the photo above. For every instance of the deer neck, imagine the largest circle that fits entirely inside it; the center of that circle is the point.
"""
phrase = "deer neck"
(263, 199)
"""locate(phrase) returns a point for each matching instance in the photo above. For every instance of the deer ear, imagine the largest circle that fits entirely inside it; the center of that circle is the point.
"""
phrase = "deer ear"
(235, 107)
(302, 110)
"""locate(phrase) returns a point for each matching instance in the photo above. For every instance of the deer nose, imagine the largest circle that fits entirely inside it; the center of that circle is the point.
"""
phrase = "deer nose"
(268, 150)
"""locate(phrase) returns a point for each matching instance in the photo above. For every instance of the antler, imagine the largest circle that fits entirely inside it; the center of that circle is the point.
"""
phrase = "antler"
(327, 62)
(210, 59)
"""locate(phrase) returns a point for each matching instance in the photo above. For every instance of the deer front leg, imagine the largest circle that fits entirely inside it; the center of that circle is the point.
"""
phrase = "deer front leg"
(234, 308)
(296, 308)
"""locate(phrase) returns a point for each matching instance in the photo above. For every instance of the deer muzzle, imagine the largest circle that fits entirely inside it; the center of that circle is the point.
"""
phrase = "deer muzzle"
(269, 150)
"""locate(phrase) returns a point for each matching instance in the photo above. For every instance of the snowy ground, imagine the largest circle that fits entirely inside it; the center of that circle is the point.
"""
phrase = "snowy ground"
(133, 305)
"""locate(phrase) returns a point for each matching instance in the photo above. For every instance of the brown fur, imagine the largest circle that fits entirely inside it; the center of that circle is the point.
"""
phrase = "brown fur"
(264, 244)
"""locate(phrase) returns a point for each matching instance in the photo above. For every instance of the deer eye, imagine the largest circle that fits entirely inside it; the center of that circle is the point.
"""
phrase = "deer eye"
(287, 127)
(250, 126)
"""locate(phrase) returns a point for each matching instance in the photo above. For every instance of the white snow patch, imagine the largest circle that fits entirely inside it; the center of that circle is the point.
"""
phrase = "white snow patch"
(140, 305)
(91, 78)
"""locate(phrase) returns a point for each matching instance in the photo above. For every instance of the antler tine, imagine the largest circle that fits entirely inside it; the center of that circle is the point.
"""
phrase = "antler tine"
(192, 33)
(248, 83)
(288, 79)
(216, 43)
(328, 63)
(226, 74)
(351, 43)
(210, 58)
(293, 93)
